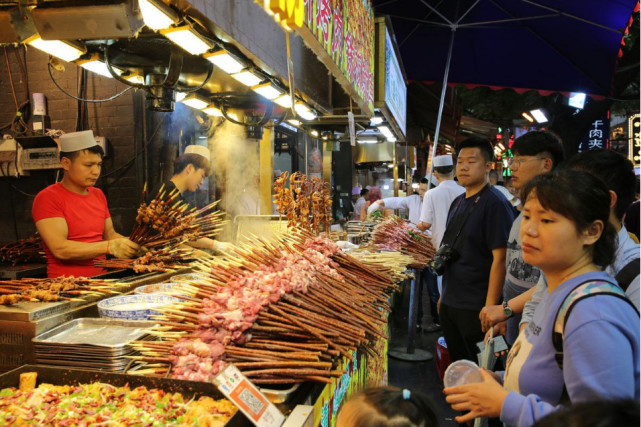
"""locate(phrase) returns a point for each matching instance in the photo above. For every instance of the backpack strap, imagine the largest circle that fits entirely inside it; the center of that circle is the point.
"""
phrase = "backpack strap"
(628, 273)
(580, 292)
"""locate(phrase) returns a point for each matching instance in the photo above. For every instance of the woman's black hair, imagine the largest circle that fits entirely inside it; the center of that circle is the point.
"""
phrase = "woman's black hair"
(582, 198)
(392, 406)
(599, 413)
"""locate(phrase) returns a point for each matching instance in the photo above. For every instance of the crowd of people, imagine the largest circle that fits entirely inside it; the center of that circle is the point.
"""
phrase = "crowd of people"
(547, 262)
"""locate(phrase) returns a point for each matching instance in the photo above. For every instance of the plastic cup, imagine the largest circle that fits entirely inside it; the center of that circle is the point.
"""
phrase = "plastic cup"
(462, 372)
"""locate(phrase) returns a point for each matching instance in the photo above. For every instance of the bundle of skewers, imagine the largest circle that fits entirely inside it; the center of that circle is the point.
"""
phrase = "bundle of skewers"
(306, 204)
(166, 221)
(393, 262)
(52, 289)
(22, 251)
(282, 312)
(162, 259)
(395, 234)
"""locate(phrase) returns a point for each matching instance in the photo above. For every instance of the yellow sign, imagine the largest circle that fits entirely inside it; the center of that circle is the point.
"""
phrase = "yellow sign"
(634, 139)
(289, 14)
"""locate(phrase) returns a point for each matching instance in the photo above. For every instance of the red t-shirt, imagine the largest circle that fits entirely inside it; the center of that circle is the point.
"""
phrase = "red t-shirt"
(85, 216)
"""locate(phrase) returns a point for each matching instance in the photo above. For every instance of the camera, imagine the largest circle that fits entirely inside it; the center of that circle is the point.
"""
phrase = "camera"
(443, 256)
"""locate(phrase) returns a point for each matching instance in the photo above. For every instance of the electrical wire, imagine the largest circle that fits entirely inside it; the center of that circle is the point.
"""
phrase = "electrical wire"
(81, 99)
(17, 124)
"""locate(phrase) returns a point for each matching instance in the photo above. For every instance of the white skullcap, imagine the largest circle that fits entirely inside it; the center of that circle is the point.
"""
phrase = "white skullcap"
(198, 149)
(441, 161)
(76, 141)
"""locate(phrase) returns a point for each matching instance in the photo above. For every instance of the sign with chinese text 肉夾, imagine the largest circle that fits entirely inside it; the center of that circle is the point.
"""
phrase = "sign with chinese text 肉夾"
(597, 136)
(341, 33)
(634, 140)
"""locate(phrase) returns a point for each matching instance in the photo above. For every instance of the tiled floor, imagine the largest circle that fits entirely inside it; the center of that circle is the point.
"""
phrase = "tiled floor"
(419, 376)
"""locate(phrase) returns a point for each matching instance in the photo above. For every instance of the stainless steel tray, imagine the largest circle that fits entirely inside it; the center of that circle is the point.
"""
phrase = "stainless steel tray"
(97, 332)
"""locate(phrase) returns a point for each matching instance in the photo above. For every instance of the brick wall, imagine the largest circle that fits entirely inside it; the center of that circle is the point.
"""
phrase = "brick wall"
(118, 120)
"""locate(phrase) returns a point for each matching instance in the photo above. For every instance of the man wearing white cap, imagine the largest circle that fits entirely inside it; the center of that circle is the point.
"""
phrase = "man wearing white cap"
(72, 216)
(436, 205)
(411, 203)
(190, 170)
(360, 201)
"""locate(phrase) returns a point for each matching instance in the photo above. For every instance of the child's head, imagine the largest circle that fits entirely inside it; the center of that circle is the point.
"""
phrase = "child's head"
(387, 407)
(579, 197)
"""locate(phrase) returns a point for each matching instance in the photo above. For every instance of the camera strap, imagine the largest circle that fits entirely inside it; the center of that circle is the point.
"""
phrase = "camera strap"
(468, 213)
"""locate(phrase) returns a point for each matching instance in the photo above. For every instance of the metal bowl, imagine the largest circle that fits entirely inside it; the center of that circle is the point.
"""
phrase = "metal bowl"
(134, 307)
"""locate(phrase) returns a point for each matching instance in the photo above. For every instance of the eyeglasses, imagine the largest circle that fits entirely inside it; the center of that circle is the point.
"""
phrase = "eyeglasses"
(515, 162)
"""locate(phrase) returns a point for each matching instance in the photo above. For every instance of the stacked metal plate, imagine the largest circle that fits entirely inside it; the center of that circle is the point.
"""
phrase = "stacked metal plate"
(90, 343)
(360, 231)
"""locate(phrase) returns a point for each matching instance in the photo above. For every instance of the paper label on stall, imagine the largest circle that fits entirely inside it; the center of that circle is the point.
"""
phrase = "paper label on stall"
(352, 128)
(237, 388)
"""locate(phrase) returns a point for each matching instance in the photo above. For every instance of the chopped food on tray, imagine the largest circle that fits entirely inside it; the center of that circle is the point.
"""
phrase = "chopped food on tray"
(100, 404)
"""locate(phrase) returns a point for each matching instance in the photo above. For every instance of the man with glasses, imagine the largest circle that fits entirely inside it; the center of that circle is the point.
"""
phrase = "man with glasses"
(535, 153)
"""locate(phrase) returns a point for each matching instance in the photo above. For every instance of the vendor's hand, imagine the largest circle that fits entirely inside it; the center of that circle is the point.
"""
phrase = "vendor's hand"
(374, 207)
(491, 315)
(123, 248)
(141, 251)
(483, 399)
(222, 247)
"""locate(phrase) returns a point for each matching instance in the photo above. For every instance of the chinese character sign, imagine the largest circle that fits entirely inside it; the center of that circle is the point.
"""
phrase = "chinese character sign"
(634, 140)
(345, 30)
(597, 135)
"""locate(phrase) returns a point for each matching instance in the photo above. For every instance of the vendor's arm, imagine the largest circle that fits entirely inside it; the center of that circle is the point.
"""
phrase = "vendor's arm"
(54, 232)
(426, 218)
(110, 232)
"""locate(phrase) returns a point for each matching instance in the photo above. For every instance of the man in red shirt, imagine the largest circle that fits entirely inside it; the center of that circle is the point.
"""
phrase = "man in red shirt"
(72, 216)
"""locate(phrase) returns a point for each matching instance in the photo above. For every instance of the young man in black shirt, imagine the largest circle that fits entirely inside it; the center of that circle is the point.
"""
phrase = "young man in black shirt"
(477, 229)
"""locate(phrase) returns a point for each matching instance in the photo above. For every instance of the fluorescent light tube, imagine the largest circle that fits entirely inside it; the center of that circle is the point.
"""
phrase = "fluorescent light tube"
(213, 111)
(527, 117)
(267, 90)
(196, 101)
(248, 78)
(225, 61)
(157, 15)
(367, 141)
(96, 66)
(294, 122)
(284, 101)
(304, 112)
(67, 51)
(187, 38)
(539, 116)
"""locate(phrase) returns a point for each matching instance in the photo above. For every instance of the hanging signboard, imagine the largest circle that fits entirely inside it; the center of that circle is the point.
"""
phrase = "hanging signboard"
(597, 135)
(390, 92)
(634, 140)
(341, 34)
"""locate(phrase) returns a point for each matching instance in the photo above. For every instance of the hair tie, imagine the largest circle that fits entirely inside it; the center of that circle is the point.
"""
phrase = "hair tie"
(406, 394)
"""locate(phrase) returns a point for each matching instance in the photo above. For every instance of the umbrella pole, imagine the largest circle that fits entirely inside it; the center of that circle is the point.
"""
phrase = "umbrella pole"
(441, 103)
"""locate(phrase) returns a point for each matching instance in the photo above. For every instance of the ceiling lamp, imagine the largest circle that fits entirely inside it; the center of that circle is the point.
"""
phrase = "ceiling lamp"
(284, 101)
(367, 141)
(187, 38)
(225, 61)
(95, 65)
(539, 116)
(180, 96)
(294, 122)
(65, 50)
(376, 120)
(196, 101)
(304, 112)
(157, 15)
(248, 77)
(388, 133)
(268, 90)
(134, 78)
(527, 117)
(213, 111)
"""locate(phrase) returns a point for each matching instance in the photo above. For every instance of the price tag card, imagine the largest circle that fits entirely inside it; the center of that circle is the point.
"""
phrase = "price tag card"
(237, 388)
(352, 128)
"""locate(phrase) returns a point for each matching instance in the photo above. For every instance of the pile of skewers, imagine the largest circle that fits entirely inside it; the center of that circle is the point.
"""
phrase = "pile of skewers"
(395, 234)
(22, 251)
(168, 222)
(163, 226)
(306, 204)
(393, 262)
(162, 259)
(282, 312)
(47, 290)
